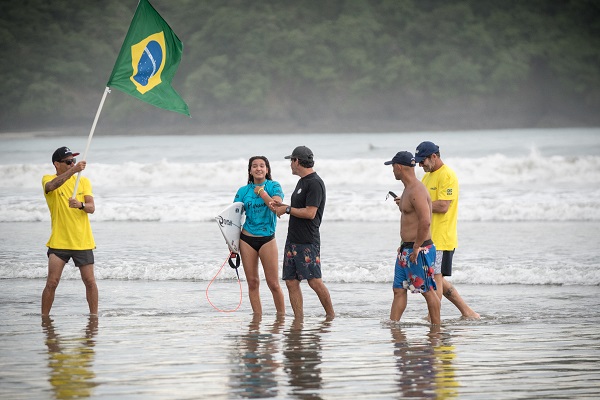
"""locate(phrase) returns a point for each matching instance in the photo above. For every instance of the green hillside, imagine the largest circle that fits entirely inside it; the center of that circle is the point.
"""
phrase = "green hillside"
(309, 65)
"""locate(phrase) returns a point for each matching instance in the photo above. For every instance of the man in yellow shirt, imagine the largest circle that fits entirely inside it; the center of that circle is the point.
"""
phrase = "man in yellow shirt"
(71, 235)
(442, 184)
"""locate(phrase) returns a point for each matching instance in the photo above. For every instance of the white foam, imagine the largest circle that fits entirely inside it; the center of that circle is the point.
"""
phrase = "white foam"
(493, 188)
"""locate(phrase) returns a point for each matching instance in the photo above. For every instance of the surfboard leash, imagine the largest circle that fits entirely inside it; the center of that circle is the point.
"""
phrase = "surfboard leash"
(235, 266)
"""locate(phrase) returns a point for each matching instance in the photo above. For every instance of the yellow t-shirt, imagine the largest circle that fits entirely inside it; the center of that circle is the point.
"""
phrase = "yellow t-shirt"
(443, 185)
(71, 229)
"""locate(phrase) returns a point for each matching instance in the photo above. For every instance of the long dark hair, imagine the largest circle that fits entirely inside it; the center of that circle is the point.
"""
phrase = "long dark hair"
(268, 175)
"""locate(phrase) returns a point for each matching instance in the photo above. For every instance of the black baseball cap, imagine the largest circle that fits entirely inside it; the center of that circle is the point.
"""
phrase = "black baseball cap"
(301, 153)
(402, 158)
(61, 153)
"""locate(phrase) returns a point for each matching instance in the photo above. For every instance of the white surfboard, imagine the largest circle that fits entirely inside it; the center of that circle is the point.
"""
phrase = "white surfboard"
(230, 223)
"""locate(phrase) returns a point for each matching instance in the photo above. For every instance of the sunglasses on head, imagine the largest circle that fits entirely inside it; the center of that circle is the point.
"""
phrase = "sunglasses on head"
(69, 162)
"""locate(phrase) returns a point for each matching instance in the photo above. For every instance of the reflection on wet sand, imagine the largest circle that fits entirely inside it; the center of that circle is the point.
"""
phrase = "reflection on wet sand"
(302, 358)
(255, 375)
(425, 365)
(71, 360)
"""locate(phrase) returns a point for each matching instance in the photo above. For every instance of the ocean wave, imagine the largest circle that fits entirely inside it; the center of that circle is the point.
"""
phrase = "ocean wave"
(493, 188)
(186, 207)
(495, 253)
(488, 170)
(482, 273)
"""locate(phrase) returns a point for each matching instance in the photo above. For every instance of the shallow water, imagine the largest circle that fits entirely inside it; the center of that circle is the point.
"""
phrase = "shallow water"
(527, 262)
(163, 340)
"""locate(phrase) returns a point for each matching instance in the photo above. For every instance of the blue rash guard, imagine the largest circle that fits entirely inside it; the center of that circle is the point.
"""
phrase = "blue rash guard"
(260, 220)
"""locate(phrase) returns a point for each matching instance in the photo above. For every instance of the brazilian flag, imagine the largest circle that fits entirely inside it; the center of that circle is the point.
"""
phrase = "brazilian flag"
(148, 61)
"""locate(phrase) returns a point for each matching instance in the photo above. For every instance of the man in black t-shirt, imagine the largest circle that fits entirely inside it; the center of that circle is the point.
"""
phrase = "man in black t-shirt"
(302, 255)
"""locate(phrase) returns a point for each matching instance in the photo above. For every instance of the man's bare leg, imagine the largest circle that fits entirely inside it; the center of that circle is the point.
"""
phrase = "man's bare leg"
(91, 289)
(323, 293)
(55, 269)
(452, 294)
(295, 294)
(439, 291)
(398, 304)
(433, 306)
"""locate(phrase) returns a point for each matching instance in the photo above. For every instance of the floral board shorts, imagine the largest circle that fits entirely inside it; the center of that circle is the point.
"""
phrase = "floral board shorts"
(418, 278)
(301, 261)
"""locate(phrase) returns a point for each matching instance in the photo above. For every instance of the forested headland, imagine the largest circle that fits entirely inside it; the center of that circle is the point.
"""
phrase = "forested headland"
(310, 65)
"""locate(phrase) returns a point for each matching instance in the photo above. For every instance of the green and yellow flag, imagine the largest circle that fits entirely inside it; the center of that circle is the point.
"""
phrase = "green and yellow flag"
(148, 61)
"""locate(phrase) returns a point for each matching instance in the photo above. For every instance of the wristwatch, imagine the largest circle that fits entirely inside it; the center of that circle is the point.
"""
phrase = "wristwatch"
(82, 206)
(288, 209)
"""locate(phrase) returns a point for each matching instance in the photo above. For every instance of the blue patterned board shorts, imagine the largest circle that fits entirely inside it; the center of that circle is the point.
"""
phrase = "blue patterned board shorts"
(418, 278)
(301, 261)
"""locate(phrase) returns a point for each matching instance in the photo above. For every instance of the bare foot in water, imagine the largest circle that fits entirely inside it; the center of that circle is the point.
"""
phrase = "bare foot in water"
(471, 315)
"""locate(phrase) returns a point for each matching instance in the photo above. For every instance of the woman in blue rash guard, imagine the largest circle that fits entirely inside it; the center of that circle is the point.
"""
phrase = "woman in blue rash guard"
(257, 240)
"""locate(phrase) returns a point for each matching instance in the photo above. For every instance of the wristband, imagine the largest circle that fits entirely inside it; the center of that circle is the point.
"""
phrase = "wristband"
(259, 191)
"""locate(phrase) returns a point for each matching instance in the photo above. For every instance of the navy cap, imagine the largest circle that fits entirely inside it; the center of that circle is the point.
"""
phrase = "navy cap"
(301, 153)
(424, 150)
(61, 153)
(402, 158)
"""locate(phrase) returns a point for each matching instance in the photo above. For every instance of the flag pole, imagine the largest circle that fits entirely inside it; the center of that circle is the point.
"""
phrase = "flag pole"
(106, 92)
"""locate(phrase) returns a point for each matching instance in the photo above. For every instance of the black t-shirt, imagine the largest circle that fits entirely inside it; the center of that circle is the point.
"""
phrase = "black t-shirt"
(310, 191)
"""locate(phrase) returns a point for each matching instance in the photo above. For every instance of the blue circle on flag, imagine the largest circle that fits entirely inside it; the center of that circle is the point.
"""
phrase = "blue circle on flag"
(149, 62)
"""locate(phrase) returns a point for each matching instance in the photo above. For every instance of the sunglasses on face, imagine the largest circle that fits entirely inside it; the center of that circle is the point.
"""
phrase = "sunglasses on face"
(69, 162)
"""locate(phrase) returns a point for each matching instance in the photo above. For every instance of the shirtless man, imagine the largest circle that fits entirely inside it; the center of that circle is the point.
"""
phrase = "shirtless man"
(416, 255)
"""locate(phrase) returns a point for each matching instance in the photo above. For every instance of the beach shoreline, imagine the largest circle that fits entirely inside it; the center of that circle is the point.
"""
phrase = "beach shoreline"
(290, 127)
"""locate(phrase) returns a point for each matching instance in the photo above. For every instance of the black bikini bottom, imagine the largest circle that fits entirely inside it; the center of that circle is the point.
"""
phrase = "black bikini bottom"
(256, 242)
